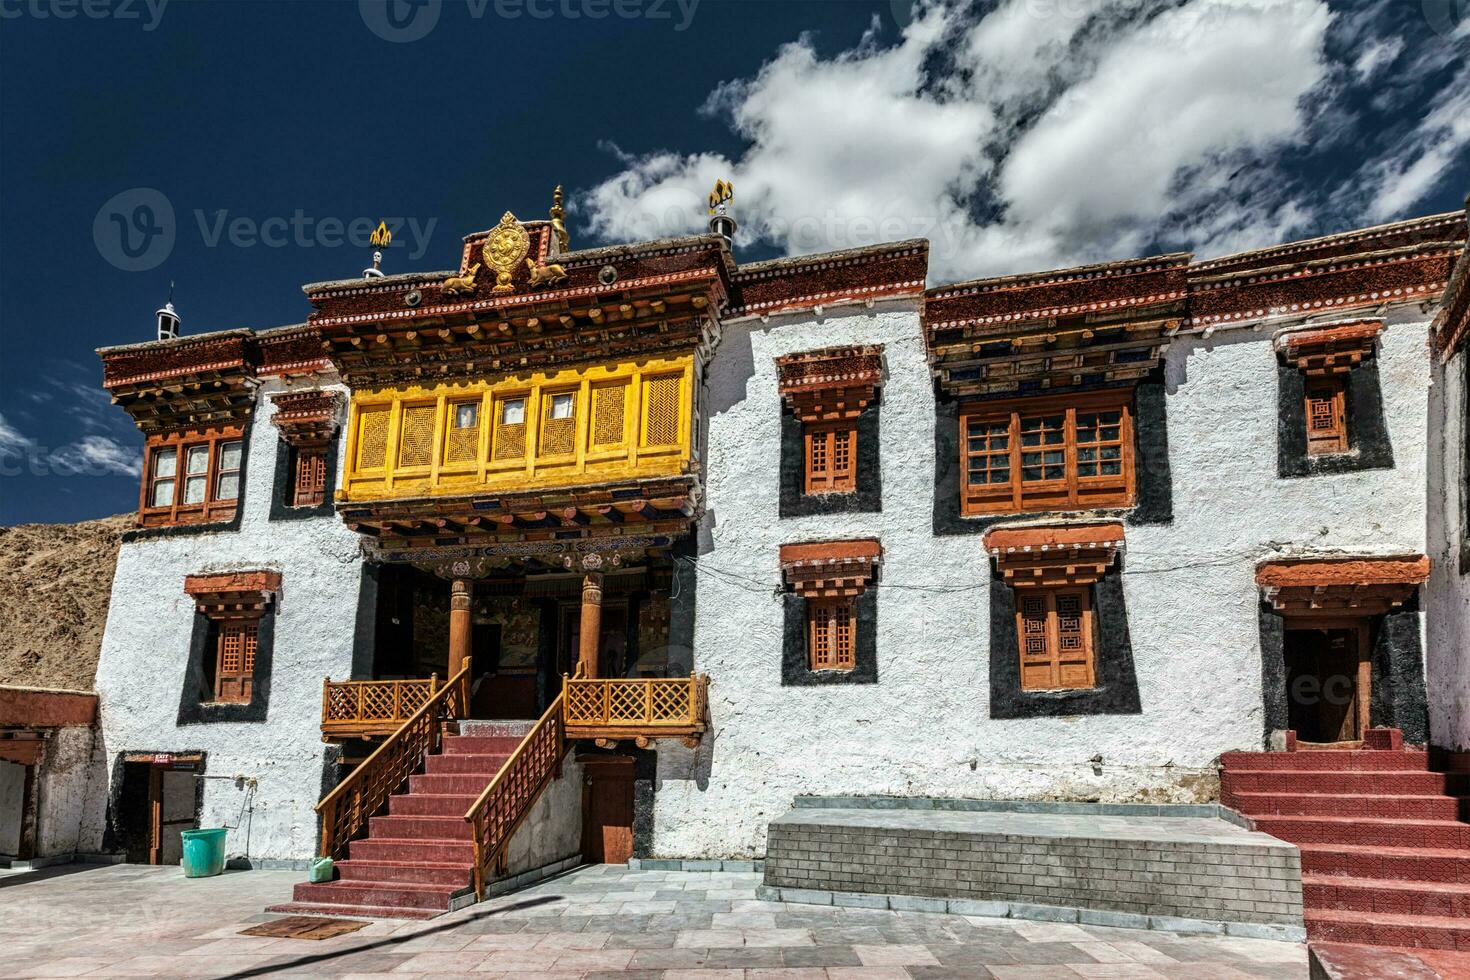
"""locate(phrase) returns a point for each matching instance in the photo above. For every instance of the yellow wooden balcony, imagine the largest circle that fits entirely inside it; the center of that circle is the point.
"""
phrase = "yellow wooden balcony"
(637, 708)
(368, 709)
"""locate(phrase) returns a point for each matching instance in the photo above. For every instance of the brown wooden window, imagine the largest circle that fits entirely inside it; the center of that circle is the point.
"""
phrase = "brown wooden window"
(1326, 416)
(234, 671)
(831, 634)
(311, 477)
(1055, 633)
(1068, 453)
(192, 476)
(831, 457)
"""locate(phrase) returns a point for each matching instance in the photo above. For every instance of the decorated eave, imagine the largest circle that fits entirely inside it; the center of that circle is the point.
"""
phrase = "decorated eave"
(1054, 555)
(1341, 585)
(233, 595)
(547, 309)
(1363, 271)
(206, 379)
(832, 383)
(833, 279)
(306, 418)
(1452, 325)
(830, 569)
(1087, 326)
(1329, 348)
(537, 526)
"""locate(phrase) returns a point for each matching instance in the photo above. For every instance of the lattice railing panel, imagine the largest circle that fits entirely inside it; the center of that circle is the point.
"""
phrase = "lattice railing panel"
(346, 809)
(346, 702)
(639, 701)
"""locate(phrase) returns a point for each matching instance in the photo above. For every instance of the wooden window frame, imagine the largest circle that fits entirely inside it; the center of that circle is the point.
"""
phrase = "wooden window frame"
(831, 633)
(1330, 392)
(212, 507)
(1052, 660)
(1070, 491)
(309, 476)
(237, 686)
(819, 454)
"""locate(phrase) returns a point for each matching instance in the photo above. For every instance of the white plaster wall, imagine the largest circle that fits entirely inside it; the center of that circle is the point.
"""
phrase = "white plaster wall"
(924, 728)
(146, 645)
(73, 794)
(12, 800)
(1447, 640)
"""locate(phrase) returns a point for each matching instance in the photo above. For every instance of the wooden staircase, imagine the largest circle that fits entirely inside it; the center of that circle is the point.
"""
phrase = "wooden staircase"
(1384, 840)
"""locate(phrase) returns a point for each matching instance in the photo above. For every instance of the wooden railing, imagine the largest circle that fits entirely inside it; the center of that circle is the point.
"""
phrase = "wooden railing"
(359, 709)
(346, 809)
(508, 799)
(637, 707)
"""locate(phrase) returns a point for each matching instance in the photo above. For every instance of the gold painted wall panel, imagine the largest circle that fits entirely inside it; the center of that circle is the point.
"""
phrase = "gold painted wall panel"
(533, 431)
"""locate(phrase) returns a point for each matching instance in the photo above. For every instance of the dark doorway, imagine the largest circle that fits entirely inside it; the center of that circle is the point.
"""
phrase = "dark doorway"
(158, 801)
(1328, 680)
(607, 809)
(613, 646)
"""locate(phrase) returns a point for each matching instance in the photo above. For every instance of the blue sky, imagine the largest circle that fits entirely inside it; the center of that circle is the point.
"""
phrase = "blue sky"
(263, 138)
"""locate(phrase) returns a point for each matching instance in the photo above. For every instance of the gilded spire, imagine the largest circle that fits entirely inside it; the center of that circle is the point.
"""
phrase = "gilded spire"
(381, 238)
(721, 223)
(558, 221)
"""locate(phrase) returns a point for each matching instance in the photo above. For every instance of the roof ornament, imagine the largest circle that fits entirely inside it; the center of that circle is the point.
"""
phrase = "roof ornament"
(559, 243)
(505, 249)
(168, 320)
(720, 222)
(381, 239)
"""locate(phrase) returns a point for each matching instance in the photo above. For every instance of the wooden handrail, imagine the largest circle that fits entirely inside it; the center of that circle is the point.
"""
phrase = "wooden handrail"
(649, 703)
(346, 809)
(508, 799)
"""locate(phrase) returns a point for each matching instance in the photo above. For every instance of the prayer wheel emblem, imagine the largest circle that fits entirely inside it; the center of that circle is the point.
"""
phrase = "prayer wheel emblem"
(505, 250)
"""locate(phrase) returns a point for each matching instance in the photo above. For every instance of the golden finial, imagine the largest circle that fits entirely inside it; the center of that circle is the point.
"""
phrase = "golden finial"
(558, 220)
(721, 195)
(381, 236)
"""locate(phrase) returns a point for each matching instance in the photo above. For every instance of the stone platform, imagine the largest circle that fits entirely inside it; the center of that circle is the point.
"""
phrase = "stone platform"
(1187, 873)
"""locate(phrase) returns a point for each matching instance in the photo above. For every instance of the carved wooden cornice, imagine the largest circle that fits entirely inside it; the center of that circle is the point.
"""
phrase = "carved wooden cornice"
(306, 418)
(1054, 555)
(1334, 348)
(1341, 586)
(233, 595)
(832, 383)
(830, 569)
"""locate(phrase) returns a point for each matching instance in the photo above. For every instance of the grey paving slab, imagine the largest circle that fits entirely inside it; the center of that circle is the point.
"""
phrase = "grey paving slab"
(125, 920)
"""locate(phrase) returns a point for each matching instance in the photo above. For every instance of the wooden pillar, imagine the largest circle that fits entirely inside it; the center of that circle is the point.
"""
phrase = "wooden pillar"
(461, 595)
(591, 630)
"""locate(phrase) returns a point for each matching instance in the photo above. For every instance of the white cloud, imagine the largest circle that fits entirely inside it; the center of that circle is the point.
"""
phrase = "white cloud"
(97, 456)
(1048, 132)
(12, 440)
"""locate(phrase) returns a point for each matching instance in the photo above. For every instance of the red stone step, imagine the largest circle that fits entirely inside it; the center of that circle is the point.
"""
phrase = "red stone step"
(1379, 895)
(478, 763)
(415, 873)
(1346, 781)
(1403, 863)
(352, 911)
(450, 784)
(1356, 759)
(1383, 929)
(422, 828)
(429, 805)
(378, 894)
(1378, 805)
(412, 851)
(1361, 830)
(480, 745)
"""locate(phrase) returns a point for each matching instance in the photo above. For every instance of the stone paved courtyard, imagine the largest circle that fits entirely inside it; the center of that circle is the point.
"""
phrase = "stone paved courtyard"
(596, 922)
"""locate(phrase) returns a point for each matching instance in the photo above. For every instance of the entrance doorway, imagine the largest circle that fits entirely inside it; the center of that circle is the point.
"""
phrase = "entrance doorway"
(158, 801)
(607, 809)
(1328, 681)
(613, 642)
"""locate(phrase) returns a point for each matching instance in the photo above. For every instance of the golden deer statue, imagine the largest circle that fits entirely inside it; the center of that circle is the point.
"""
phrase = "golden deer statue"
(461, 285)
(545, 275)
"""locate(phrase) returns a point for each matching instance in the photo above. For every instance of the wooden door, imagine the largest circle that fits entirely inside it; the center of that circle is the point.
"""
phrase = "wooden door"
(607, 810)
(1329, 680)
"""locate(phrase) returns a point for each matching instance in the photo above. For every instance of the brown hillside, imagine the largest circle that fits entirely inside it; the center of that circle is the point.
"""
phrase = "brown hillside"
(55, 581)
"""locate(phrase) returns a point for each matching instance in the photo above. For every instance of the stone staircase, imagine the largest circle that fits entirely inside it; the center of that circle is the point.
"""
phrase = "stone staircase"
(1384, 840)
(416, 861)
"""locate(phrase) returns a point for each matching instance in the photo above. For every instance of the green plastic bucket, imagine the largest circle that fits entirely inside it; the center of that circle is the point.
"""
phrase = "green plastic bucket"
(204, 852)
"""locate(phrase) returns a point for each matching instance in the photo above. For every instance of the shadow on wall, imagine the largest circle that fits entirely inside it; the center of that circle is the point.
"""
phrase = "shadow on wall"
(737, 367)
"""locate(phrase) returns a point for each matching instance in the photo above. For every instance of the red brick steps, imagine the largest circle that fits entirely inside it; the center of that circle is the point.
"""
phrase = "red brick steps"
(416, 858)
(1385, 846)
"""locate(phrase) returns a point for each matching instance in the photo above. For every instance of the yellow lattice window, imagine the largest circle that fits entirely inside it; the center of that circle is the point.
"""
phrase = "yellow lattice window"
(609, 408)
(510, 428)
(416, 440)
(661, 410)
(372, 439)
(558, 424)
(463, 442)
